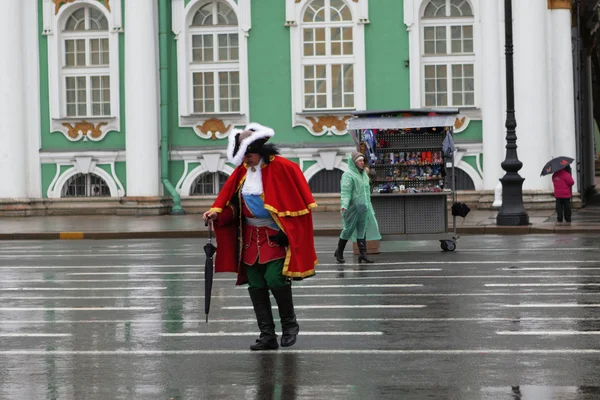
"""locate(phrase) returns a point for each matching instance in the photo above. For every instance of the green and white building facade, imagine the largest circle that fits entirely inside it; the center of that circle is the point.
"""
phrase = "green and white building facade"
(126, 105)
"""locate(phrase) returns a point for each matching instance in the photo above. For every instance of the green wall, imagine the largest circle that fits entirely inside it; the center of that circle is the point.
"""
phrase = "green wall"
(472, 161)
(270, 76)
(48, 173)
(386, 47)
(473, 133)
(121, 173)
(307, 164)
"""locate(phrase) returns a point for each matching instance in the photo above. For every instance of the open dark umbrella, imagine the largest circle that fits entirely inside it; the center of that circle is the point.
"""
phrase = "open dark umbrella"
(556, 164)
(209, 249)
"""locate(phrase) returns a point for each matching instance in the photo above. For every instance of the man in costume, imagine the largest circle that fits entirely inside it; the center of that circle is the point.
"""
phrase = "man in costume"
(263, 222)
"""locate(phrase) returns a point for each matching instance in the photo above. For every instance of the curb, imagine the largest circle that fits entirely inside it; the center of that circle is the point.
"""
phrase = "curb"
(189, 234)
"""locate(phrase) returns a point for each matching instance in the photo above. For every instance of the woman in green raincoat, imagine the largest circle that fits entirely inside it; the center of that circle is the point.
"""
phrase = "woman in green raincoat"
(358, 216)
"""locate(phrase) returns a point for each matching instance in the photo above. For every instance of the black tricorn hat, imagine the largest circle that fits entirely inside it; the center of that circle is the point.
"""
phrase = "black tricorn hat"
(249, 140)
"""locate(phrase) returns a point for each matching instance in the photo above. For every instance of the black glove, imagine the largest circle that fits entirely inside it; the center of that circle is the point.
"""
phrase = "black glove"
(280, 239)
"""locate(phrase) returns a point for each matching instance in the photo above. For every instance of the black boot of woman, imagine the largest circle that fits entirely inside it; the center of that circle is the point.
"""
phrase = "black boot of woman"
(362, 249)
(339, 253)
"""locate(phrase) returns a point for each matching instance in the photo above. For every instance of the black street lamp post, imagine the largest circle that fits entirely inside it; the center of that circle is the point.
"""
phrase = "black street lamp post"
(512, 212)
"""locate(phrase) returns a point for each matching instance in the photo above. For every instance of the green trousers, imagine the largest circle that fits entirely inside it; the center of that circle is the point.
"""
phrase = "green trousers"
(266, 275)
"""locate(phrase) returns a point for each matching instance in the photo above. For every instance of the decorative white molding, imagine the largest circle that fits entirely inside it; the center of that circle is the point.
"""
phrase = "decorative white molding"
(213, 162)
(468, 150)
(208, 163)
(328, 159)
(325, 124)
(182, 16)
(212, 128)
(52, 28)
(320, 166)
(102, 157)
(472, 172)
(294, 12)
(461, 123)
(84, 163)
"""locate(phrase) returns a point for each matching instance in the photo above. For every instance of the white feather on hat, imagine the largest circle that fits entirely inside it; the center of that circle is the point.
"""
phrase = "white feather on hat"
(240, 140)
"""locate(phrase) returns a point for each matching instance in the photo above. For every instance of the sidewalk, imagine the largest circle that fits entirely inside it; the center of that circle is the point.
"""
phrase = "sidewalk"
(327, 223)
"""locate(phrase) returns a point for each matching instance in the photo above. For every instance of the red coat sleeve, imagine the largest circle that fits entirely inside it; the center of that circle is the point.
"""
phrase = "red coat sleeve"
(569, 179)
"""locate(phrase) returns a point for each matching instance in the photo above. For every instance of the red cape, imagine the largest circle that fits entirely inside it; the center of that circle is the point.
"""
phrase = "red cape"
(289, 201)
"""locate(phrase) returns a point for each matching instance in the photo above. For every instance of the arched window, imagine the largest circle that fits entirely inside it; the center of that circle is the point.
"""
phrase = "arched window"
(215, 59)
(85, 185)
(448, 54)
(326, 181)
(462, 179)
(208, 183)
(328, 56)
(86, 64)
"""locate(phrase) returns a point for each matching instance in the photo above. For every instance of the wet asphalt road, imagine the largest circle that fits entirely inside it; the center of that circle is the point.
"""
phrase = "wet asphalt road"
(502, 317)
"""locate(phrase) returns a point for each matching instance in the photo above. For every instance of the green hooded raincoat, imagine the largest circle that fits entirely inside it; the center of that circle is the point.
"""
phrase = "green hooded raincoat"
(359, 219)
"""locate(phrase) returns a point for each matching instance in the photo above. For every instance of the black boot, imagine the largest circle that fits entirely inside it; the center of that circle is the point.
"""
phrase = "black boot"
(264, 318)
(339, 253)
(362, 249)
(289, 326)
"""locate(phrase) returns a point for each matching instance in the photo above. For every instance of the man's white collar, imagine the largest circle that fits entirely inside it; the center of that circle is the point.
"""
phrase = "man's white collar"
(253, 182)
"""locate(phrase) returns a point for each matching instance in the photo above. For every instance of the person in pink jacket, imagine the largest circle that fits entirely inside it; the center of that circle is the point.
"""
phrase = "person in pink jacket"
(563, 181)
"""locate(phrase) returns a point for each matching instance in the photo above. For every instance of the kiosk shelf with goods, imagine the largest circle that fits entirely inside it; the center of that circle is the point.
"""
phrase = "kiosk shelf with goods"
(410, 158)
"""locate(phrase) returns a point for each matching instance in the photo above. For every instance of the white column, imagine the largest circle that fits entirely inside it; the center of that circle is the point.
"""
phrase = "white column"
(13, 160)
(531, 90)
(31, 69)
(141, 98)
(494, 131)
(563, 96)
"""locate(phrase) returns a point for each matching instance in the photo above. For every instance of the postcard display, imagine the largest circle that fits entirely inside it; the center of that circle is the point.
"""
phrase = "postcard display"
(409, 153)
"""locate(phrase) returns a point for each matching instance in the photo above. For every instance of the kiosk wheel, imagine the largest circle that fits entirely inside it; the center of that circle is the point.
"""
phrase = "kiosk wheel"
(448, 245)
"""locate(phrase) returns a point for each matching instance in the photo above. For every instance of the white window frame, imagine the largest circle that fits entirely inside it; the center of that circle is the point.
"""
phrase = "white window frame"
(294, 19)
(182, 17)
(54, 24)
(413, 18)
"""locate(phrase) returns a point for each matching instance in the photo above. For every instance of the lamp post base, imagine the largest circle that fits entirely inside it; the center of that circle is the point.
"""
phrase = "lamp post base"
(512, 212)
(512, 219)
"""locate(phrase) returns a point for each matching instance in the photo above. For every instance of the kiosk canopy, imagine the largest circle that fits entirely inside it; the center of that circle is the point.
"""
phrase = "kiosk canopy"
(402, 119)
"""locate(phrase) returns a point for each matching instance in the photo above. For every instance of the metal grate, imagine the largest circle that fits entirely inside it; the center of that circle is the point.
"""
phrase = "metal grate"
(326, 181)
(410, 140)
(389, 212)
(208, 183)
(427, 214)
(85, 185)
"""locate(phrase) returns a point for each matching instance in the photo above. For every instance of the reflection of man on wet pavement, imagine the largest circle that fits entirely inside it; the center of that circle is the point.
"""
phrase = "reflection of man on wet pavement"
(264, 229)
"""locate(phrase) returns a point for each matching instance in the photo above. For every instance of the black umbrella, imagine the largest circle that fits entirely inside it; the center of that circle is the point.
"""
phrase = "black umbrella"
(556, 164)
(209, 249)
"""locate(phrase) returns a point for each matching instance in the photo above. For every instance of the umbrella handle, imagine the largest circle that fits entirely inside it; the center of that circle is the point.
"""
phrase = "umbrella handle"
(209, 224)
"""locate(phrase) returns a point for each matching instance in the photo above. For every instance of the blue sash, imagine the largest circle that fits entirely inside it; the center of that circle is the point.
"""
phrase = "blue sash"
(256, 205)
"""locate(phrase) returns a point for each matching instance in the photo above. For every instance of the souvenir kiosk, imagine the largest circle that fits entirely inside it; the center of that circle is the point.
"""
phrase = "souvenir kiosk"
(410, 156)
